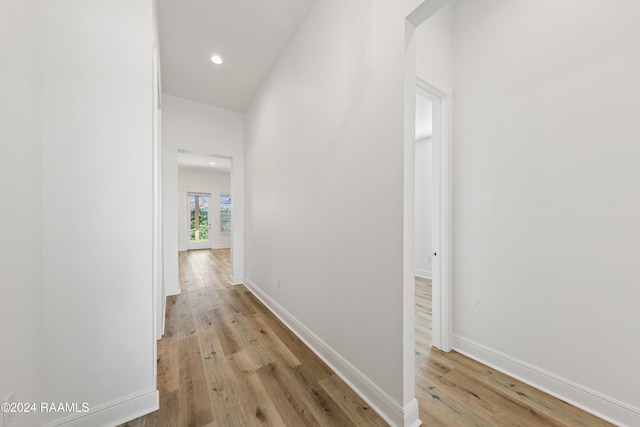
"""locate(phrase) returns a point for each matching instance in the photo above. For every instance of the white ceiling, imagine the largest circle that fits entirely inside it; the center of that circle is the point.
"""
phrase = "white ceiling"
(203, 162)
(424, 119)
(249, 35)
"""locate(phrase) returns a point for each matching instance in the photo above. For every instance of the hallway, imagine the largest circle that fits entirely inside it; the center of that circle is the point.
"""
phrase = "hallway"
(225, 360)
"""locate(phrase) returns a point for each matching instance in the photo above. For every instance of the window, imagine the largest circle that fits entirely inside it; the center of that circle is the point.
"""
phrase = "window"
(225, 213)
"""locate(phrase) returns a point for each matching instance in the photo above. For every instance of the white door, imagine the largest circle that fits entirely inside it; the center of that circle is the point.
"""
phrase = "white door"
(199, 221)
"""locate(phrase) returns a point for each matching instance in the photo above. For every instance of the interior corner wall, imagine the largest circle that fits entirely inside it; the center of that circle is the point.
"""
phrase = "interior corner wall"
(324, 219)
(201, 129)
(21, 207)
(98, 341)
(423, 208)
(191, 180)
(546, 206)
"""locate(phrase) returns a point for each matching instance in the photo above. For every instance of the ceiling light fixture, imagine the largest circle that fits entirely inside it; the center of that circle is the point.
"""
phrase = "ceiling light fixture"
(212, 163)
(216, 59)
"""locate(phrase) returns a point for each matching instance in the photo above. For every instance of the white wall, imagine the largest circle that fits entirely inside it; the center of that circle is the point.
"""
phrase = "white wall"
(202, 181)
(546, 206)
(434, 50)
(98, 341)
(201, 129)
(423, 208)
(20, 210)
(321, 215)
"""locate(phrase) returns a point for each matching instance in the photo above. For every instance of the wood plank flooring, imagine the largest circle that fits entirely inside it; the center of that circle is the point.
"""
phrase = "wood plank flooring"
(423, 315)
(453, 390)
(225, 360)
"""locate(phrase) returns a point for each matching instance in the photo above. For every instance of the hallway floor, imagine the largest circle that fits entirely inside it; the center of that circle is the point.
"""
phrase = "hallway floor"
(225, 360)
(454, 390)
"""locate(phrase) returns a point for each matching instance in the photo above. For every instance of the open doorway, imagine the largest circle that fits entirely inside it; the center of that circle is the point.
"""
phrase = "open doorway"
(423, 224)
(431, 204)
(204, 202)
(432, 57)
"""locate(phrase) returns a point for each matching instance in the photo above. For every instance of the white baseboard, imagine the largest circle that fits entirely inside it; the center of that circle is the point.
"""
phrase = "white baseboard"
(220, 246)
(425, 274)
(591, 401)
(236, 280)
(392, 412)
(411, 415)
(172, 290)
(113, 413)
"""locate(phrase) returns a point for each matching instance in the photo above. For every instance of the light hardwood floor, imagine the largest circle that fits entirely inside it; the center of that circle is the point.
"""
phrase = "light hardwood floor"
(226, 360)
(453, 390)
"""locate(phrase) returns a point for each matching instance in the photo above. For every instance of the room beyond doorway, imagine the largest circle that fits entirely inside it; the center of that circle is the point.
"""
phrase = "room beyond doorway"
(204, 202)
(199, 224)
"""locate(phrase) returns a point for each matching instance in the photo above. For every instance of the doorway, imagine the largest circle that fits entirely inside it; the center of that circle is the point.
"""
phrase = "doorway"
(441, 208)
(199, 221)
(433, 256)
(220, 178)
(423, 202)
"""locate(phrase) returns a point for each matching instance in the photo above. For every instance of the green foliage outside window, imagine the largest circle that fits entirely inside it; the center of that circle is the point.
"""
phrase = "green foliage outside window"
(225, 214)
(203, 218)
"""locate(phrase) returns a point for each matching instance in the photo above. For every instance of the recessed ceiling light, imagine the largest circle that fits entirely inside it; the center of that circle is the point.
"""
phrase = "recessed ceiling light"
(216, 59)
(212, 163)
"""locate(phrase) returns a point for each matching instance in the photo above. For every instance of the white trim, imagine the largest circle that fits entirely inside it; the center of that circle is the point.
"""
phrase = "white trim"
(220, 246)
(173, 290)
(392, 412)
(159, 297)
(441, 270)
(430, 92)
(598, 404)
(236, 280)
(425, 274)
(408, 224)
(113, 413)
(237, 219)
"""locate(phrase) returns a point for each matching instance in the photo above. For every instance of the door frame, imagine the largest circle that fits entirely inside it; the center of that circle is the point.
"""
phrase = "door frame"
(441, 221)
(442, 158)
(198, 246)
(159, 294)
(237, 212)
